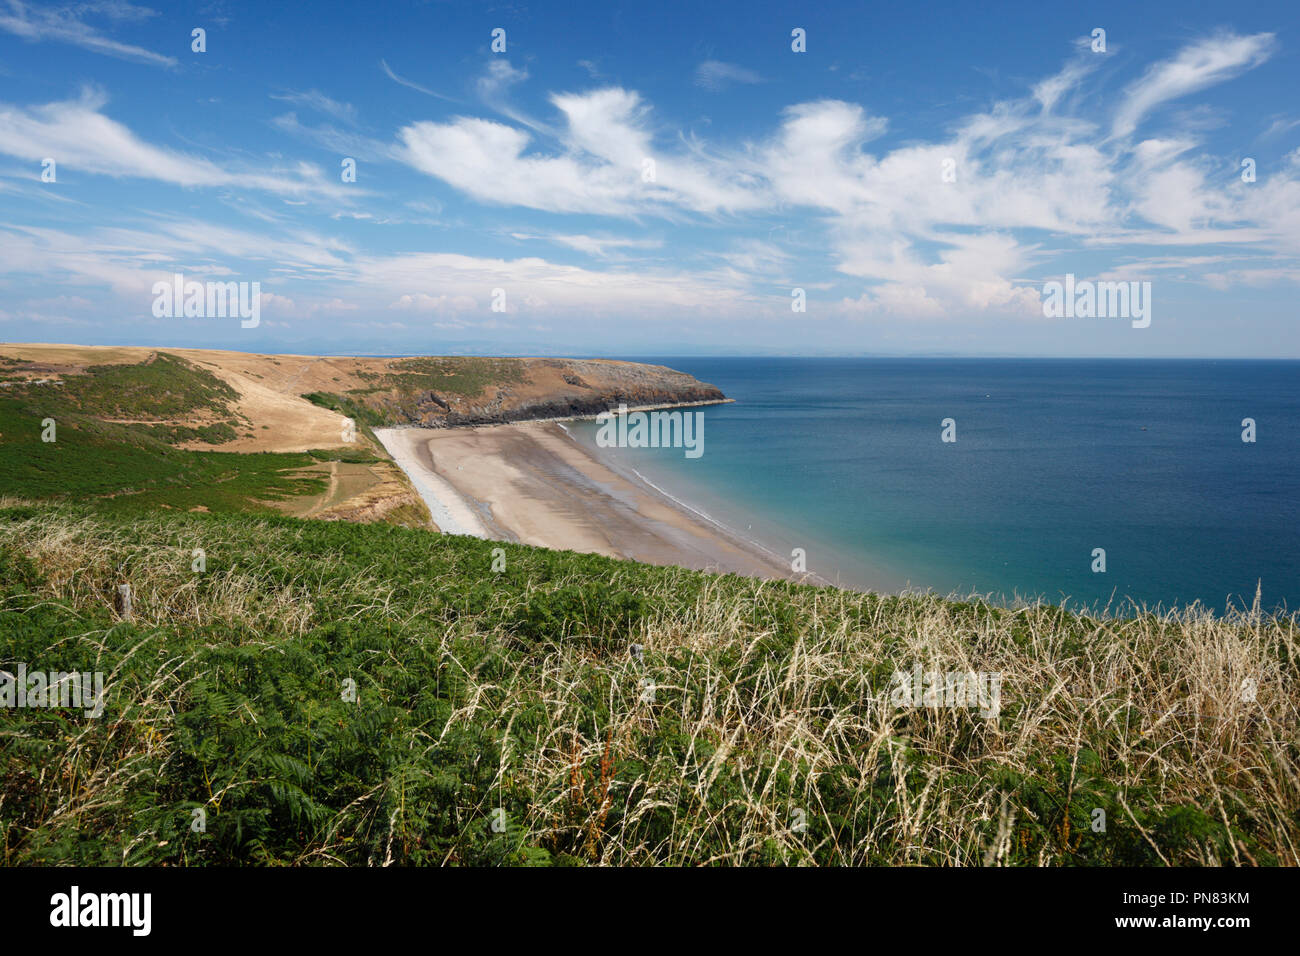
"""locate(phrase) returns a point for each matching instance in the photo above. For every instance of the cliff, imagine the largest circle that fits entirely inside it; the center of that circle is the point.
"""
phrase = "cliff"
(444, 392)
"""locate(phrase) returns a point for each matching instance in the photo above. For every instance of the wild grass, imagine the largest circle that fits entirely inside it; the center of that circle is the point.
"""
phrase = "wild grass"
(165, 387)
(464, 376)
(753, 725)
(133, 470)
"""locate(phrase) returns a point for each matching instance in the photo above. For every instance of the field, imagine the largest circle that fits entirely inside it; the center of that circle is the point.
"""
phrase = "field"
(571, 709)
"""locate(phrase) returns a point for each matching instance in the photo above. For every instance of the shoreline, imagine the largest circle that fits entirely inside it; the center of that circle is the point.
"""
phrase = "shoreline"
(695, 513)
(533, 483)
(585, 417)
(450, 513)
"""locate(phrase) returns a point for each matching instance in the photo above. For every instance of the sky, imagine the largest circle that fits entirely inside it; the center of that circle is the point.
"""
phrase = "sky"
(653, 179)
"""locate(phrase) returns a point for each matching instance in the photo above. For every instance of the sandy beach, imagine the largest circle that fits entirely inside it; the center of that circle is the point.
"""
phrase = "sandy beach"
(530, 482)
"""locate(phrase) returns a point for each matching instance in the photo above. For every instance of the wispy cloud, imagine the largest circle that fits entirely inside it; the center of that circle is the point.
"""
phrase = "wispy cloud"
(67, 24)
(1210, 61)
(345, 142)
(79, 136)
(409, 84)
(318, 101)
(600, 247)
(715, 75)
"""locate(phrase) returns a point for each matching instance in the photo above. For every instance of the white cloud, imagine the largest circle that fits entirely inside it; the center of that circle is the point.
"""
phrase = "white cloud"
(499, 78)
(78, 136)
(318, 101)
(601, 247)
(714, 75)
(1202, 64)
(601, 167)
(1025, 177)
(66, 25)
(129, 261)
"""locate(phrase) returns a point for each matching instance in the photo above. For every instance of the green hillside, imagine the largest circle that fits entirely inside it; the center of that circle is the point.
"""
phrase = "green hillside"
(506, 717)
(112, 438)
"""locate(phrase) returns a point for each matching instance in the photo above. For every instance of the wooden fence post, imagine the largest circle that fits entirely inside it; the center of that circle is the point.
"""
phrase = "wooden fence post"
(122, 602)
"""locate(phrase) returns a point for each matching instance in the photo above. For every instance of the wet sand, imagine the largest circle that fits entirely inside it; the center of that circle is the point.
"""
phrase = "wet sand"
(530, 482)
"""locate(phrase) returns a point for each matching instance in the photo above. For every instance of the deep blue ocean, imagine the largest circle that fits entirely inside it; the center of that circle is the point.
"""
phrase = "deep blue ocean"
(1053, 459)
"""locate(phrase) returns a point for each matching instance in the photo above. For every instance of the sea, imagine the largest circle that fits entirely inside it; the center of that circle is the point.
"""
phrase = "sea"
(1107, 484)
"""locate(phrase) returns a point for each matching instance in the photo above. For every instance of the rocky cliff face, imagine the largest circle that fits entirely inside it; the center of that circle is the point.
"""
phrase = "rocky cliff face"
(521, 389)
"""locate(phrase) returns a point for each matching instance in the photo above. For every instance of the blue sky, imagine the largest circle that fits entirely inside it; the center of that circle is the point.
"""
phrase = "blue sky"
(526, 171)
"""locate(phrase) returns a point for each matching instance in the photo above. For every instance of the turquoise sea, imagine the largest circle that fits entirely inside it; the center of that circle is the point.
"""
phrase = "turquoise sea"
(1053, 459)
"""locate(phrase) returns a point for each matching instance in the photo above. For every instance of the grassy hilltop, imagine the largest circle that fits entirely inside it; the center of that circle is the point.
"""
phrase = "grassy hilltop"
(757, 727)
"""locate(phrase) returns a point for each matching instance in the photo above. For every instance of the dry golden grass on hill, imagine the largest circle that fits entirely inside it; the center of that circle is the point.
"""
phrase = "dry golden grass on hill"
(610, 712)
(281, 419)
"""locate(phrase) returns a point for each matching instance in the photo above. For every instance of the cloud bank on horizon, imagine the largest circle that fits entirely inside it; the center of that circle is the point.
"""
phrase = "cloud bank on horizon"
(604, 181)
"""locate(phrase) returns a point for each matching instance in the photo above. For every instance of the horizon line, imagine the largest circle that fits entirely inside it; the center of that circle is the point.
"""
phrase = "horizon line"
(634, 355)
